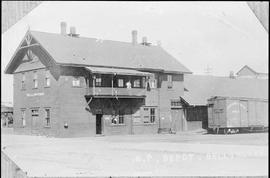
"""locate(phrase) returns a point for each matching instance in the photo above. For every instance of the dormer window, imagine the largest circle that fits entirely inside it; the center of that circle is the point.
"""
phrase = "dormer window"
(35, 80)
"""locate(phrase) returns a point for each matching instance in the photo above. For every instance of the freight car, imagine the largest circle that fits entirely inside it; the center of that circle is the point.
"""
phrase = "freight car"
(235, 114)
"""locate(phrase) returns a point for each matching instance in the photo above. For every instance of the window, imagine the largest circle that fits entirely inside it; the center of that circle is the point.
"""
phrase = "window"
(169, 81)
(175, 103)
(47, 79)
(98, 81)
(153, 83)
(121, 83)
(76, 82)
(152, 115)
(35, 116)
(149, 115)
(47, 117)
(118, 119)
(146, 115)
(35, 112)
(23, 81)
(137, 83)
(23, 117)
(121, 118)
(35, 80)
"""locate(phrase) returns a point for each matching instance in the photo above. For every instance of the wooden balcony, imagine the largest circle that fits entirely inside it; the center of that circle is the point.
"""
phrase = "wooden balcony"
(107, 92)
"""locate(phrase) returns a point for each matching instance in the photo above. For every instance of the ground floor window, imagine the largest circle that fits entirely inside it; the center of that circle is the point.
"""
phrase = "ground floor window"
(23, 117)
(152, 115)
(47, 117)
(118, 119)
(35, 116)
(149, 115)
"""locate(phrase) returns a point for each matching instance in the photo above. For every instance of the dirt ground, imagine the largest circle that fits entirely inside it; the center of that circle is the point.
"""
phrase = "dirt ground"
(190, 153)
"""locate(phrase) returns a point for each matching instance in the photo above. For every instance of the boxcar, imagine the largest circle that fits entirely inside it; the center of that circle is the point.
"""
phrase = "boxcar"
(231, 114)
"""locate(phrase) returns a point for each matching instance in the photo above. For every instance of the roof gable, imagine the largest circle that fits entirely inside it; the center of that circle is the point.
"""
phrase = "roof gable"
(246, 69)
(28, 50)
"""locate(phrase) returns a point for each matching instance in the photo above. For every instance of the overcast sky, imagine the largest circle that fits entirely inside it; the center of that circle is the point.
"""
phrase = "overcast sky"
(222, 35)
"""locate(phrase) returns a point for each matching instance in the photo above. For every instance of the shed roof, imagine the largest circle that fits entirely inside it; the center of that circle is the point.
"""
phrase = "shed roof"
(93, 52)
(202, 87)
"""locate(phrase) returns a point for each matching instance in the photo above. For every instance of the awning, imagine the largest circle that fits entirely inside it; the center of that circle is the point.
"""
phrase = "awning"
(114, 96)
(107, 70)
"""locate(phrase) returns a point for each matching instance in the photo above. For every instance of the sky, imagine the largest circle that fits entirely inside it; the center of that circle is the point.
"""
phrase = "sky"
(223, 36)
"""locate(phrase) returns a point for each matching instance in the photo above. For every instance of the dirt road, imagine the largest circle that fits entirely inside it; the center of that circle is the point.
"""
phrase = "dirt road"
(144, 155)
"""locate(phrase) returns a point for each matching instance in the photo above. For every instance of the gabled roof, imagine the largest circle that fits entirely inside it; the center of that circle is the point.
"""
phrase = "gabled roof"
(252, 70)
(202, 87)
(83, 51)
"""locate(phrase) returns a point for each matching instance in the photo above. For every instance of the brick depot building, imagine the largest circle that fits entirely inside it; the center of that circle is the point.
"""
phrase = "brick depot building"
(66, 85)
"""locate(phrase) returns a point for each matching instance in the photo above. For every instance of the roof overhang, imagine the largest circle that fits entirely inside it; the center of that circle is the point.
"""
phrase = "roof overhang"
(117, 71)
(113, 96)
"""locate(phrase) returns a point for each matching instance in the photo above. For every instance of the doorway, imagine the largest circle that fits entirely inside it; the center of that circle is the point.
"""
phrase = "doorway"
(177, 119)
(99, 124)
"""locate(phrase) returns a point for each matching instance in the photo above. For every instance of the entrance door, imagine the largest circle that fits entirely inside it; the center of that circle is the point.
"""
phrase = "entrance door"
(99, 124)
(244, 113)
(177, 119)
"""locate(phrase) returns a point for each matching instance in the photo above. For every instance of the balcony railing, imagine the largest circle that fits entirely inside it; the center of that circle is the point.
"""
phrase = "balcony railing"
(119, 92)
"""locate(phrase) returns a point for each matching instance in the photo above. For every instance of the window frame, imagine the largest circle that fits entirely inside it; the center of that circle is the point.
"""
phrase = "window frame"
(118, 119)
(97, 82)
(35, 80)
(23, 117)
(47, 78)
(23, 83)
(47, 118)
(123, 83)
(135, 84)
(170, 81)
(152, 116)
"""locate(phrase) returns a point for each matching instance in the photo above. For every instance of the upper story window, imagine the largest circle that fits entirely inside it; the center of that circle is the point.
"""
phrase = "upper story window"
(170, 83)
(121, 83)
(23, 81)
(76, 82)
(153, 83)
(176, 103)
(98, 81)
(47, 79)
(35, 80)
(137, 83)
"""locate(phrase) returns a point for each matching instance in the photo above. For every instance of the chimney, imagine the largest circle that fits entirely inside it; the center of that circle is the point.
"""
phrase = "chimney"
(63, 28)
(134, 37)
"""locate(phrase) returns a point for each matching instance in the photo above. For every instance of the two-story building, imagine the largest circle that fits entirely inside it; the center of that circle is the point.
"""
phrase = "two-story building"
(67, 85)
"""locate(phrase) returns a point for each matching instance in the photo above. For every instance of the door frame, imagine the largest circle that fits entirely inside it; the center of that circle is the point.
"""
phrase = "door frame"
(100, 118)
